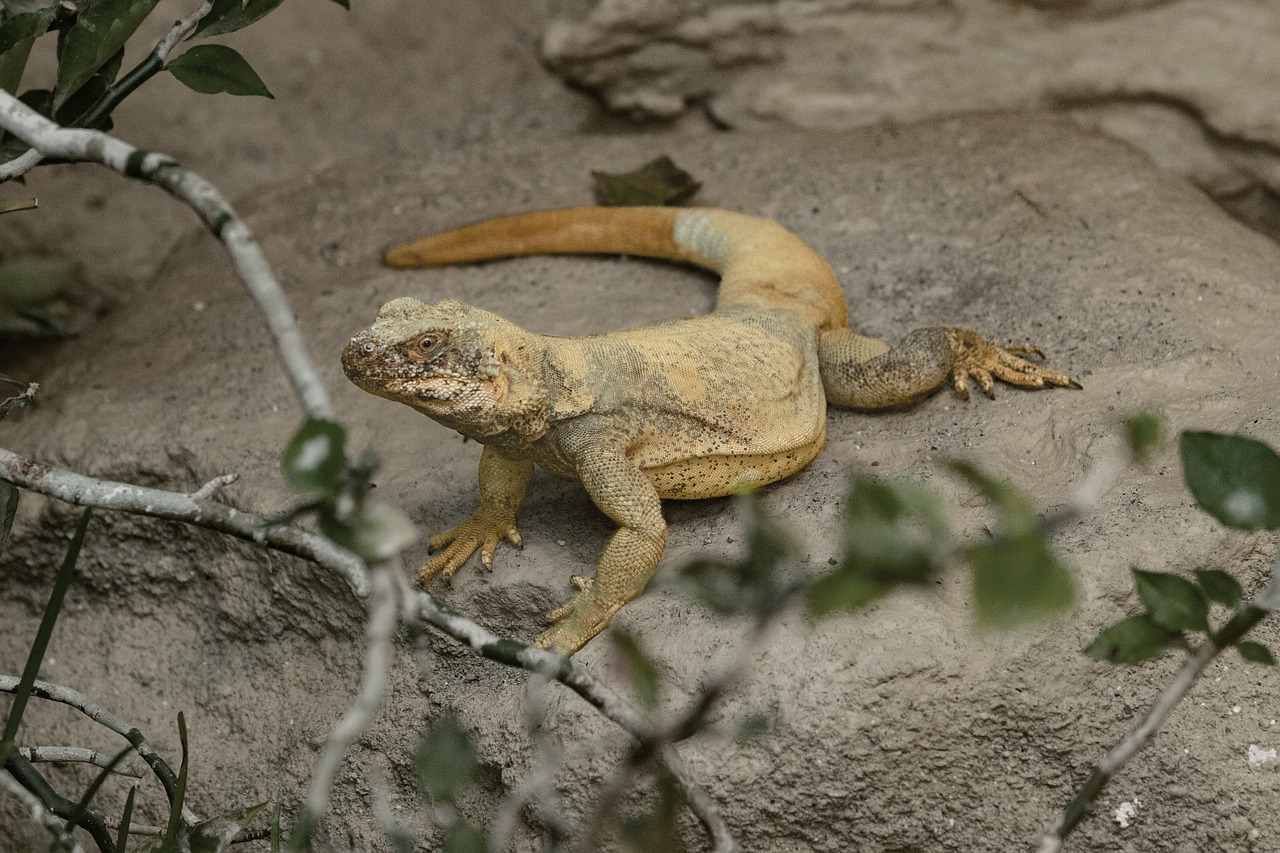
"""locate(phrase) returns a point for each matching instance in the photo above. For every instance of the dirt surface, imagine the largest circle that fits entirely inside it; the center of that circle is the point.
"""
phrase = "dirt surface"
(897, 729)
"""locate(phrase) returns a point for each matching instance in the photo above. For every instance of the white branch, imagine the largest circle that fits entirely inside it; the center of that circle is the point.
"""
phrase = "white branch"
(77, 754)
(384, 612)
(80, 490)
(40, 814)
(214, 210)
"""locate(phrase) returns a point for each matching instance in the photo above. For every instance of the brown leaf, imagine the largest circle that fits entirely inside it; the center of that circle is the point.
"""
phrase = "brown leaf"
(657, 182)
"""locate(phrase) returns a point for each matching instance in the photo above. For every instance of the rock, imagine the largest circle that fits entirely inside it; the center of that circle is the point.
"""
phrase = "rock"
(1190, 82)
(896, 728)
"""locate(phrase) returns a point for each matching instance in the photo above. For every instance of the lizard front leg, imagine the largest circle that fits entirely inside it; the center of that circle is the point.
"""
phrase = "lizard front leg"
(625, 494)
(503, 485)
(865, 373)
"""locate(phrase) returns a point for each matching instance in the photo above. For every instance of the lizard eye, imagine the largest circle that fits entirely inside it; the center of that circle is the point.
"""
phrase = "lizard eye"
(368, 348)
(424, 346)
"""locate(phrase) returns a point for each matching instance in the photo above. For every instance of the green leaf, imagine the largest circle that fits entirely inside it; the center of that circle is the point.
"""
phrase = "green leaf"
(227, 16)
(8, 507)
(1017, 579)
(644, 675)
(1233, 478)
(843, 590)
(28, 280)
(1172, 602)
(377, 531)
(18, 32)
(1017, 513)
(1256, 653)
(1132, 641)
(445, 760)
(1144, 433)
(658, 182)
(176, 825)
(656, 829)
(44, 633)
(101, 29)
(215, 834)
(122, 834)
(462, 837)
(315, 458)
(1220, 586)
(213, 68)
(754, 583)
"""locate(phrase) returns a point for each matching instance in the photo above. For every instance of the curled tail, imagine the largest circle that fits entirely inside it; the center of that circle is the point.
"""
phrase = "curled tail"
(761, 264)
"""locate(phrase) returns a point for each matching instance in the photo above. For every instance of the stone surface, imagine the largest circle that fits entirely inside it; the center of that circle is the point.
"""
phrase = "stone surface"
(1191, 82)
(897, 728)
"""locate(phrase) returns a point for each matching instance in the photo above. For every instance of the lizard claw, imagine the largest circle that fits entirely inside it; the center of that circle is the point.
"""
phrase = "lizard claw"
(979, 360)
(482, 530)
(577, 620)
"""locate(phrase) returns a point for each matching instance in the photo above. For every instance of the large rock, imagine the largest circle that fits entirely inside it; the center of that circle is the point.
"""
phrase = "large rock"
(1191, 82)
(895, 728)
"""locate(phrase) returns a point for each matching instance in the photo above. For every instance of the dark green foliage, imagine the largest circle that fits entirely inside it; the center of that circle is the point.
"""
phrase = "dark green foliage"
(1172, 602)
(462, 837)
(1133, 640)
(1017, 579)
(18, 32)
(753, 584)
(1144, 433)
(891, 533)
(100, 31)
(122, 834)
(214, 68)
(1219, 586)
(658, 182)
(656, 830)
(227, 16)
(1233, 478)
(314, 459)
(8, 508)
(445, 760)
(1256, 653)
(644, 675)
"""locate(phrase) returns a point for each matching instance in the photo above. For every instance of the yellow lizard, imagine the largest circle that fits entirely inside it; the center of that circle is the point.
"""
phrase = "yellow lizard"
(693, 408)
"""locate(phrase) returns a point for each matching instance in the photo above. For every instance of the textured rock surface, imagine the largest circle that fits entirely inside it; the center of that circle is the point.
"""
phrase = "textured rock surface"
(899, 728)
(1192, 82)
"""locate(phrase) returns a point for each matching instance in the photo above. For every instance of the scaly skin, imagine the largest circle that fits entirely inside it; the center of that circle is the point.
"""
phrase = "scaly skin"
(692, 408)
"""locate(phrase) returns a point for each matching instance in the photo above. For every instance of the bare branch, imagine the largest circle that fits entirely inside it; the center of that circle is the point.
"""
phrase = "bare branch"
(41, 814)
(104, 494)
(77, 754)
(66, 696)
(208, 489)
(384, 613)
(215, 211)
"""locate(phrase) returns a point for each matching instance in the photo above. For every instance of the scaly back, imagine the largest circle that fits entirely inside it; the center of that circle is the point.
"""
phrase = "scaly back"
(761, 264)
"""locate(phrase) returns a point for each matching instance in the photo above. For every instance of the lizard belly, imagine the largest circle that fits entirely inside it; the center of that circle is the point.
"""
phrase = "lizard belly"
(725, 474)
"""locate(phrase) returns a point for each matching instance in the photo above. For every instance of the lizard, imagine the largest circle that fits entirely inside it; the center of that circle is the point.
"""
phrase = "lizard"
(697, 407)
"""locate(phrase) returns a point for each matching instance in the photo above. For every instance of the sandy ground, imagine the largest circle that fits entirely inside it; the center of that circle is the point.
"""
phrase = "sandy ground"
(899, 730)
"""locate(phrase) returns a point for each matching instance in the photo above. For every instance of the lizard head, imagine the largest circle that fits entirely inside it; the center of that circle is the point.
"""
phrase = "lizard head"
(450, 361)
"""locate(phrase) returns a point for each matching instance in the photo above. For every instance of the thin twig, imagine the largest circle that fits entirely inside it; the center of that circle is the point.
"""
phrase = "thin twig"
(216, 212)
(1245, 616)
(384, 613)
(77, 754)
(26, 775)
(126, 85)
(207, 490)
(66, 696)
(41, 814)
(80, 490)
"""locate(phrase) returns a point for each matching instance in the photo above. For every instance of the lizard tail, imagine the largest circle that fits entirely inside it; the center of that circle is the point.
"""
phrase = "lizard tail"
(761, 264)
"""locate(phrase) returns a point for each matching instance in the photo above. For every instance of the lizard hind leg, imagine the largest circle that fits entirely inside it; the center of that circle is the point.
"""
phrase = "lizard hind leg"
(865, 373)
